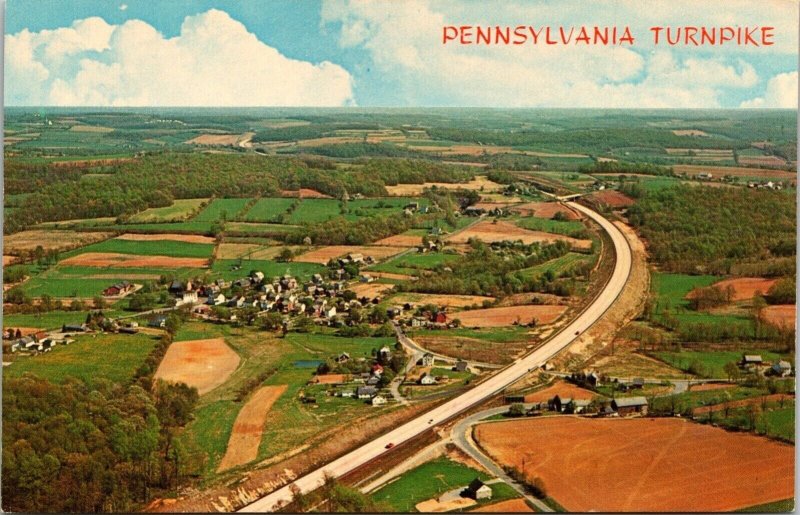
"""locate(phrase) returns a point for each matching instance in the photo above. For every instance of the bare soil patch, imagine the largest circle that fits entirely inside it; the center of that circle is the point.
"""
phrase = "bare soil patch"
(390, 275)
(564, 390)
(24, 241)
(434, 506)
(103, 259)
(450, 301)
(9, 260)
(246, 434)
(490, 232)
(509, 506)
(187, 238)
(90, 128)
(303, 193)
(479, 183)
(370, 289)
(643, 465)
(613, 198)
(24, 331)
(400, 240)
(546, 210)
(724, 171)
(743, 287)
(782, 315)
(330, 378)
(754, 401)
(689, 132)
(220, 139)
(498, 317)
(325, 254)
(762, 160)
(235, 250)
(204, 364)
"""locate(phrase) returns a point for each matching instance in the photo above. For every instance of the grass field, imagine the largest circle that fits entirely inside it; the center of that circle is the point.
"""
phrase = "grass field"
(301, 271)
(258, 228)
(671, 290)
(222, 208)
(179, 210)
(268, 209)
(312, 211)
(558, 265)
(492, 334)
(50, 319)
(114, 357)
(413, 263)
(149, 248)
(572, 228)
(431, 479)
(785, 506)
(711, 363)
(290, 423)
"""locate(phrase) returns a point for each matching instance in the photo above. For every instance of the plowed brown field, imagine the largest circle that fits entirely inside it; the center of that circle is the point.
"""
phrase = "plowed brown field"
(497, 317)
(450, 301)
(204, 364)
(613, 198)
(401, 240)
(489, 232)
(103, 259)
(782, 315)
(545, 210)
(303, 193)
(370, 289)
(744, 287)
(246, 434)
(49, 240)
(643, 465)
(564, 390)
(187, 238)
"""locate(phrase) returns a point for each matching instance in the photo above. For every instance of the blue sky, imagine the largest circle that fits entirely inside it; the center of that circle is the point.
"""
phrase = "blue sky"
(343, 52)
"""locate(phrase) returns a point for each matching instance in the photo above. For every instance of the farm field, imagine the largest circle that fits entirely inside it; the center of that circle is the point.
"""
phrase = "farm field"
(473, 349)
(701, 468)
(564, 390)
(268, 209)
(149, 246)
(781, 315)
(729, 171)
(546, 210)
(711, 363)
(479, 183)
(224, 268)
(557, 266)
(113, 259)
(324, 254)
(186, 238)
(449, 301)
(181, 209)
(414, 263)
(744, 288)
(49, 320)
(311, 211)
(221, 208)
(26, 241)
(113, 357)
(498, 317)
(565, 227)
(490, 232)
(203, 364)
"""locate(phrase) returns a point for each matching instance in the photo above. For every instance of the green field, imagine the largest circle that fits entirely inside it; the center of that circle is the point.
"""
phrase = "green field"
(268, 209)
(50, 319)
(492, 334)
(259, 228)
(558, 265)
(312, 211)
(785, 506)
(301, 271)
(712, 363)
(431, 479)
(179, 210)
(221, 208)
(150, 248)
(114, 357)
(671, 291)
(567, 227)
(413, 263)
(85, 282)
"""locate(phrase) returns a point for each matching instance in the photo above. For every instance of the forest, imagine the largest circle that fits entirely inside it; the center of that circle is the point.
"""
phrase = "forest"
(696, 229)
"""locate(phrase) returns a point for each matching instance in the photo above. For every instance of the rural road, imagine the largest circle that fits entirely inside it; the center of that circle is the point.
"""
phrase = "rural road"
(479, 393)
(461, 437)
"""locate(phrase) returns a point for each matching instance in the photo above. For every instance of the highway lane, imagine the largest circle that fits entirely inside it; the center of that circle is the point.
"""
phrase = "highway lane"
(479, 393)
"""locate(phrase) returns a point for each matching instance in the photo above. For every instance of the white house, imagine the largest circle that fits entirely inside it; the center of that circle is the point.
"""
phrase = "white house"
(378, 400)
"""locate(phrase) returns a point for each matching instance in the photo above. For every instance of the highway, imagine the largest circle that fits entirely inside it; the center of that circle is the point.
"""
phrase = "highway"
(479, 393)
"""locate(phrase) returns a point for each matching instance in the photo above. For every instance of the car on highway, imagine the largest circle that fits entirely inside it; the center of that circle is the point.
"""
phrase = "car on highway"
(389, 445)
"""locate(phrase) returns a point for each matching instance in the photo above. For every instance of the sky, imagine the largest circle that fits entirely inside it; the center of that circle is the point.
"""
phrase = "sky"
(379, 54)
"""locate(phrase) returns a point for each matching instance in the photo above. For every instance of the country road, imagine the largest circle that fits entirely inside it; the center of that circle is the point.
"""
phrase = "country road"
(479, 393)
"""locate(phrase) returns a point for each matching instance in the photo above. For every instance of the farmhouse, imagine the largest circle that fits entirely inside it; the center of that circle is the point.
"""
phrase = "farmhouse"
(366, 392)
(427, 379)
(427, 359)
(461, 366)
(626, 406)
(378, 400)
(637, 383)
(478, 490)
(751, 361)
(159, 321)
(343, 358)
(118, 289)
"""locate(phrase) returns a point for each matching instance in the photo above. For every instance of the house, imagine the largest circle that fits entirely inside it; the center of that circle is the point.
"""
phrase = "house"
(626, 406)
(440, 317)
(257, 277)
(329, 312)
(378, 400)
(478, 490)
(176, 287)
(427, 379)
(343, 358)
(782, 368)
(418, 322)
(348, 393)
(216, 300)
(189, 297)
(637, 383)
(750, 361)
(394, 312)
(316, 279)
(461, 366)
(366, 392)
(427, 359)
(558, 404)
(374, 380)
(355, 257)
(365, 278)
(385, 353)
(118, 289)
(705, 176)
(412, 205)
(377, 369)
(159, 321)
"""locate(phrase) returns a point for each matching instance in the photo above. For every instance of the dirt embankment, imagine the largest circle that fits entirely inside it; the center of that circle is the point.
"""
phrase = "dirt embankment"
(629, 304)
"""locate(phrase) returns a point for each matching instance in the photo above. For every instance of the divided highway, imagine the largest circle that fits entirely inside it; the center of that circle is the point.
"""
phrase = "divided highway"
(479, 393)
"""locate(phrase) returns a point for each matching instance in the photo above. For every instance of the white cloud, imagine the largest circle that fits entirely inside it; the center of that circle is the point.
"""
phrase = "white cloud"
(213, 61)
(123, 7)
(404, 40)
(781, 92)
